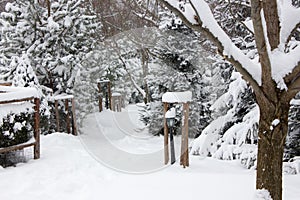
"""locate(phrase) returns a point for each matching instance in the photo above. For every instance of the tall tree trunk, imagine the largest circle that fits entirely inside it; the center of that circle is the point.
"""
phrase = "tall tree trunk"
(48, 7)
(272, 133)
(145, 59)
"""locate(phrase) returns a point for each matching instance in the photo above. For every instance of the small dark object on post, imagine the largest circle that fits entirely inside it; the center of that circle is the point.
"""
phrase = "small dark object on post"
(170, 118)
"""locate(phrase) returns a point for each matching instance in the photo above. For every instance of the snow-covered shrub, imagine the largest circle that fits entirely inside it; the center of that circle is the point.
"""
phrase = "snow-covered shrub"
(233, 132)
(23, 75)
(292, 146)
(292, 166)
(15, 129)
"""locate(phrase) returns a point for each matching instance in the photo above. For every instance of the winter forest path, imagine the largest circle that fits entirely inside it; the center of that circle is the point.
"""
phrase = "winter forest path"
(120, 141)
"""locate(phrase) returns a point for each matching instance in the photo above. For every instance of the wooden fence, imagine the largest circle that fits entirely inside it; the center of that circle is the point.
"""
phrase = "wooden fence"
(12, 95)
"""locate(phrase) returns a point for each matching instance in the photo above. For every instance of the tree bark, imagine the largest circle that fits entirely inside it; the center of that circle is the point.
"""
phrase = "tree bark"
(273, 102)
(273, 128)
(145, 59)
(49, 7)
(269, 169)
(272, 22)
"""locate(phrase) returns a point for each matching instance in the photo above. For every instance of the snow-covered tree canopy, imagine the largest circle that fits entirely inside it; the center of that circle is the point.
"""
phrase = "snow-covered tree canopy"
(197, 14)
(273, 71)
(56, 38)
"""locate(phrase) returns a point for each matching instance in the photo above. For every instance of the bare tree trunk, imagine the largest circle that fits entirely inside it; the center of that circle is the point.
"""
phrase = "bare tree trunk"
(49, 7)
(269, 169)
(272, 133)
(145, 58)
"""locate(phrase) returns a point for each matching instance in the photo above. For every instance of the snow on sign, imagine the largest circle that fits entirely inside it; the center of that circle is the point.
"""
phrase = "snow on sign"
(63, 97)
(184, 98)
(177, 97)
(171, 113)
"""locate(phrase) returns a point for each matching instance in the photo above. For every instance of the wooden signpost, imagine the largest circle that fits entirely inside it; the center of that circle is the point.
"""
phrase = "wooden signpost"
(175, 98)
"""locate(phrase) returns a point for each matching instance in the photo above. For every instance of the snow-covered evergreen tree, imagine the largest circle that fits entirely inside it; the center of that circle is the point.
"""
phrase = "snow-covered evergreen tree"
(23, 76)
(179, 65)
(68, 35)
(234, 128)
(55, 38)
(292, 147)
(57, 41)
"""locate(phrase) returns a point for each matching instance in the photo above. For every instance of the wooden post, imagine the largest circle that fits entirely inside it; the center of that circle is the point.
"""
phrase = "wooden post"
(37, 128)
(100, 98)
(109, 94)
(166, 131)
(6, 84)
(113, 101)
(57, 116)
(184, 157)
(186, 127)
(123, 101)
(119, 103)
(74, 128)
(67, 116)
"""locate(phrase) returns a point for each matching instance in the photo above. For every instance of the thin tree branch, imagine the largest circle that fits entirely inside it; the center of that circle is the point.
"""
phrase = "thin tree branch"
(117, 49)
(261, 43)
(238, 65)
(294, 85)
(49, 7)
(289, 79)
(198, 27)
(232, 14)
(291, 34)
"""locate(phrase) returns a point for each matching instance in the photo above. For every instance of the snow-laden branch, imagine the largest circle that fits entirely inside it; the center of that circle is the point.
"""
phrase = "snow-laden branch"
(197, 15)
(261, 40)
(284, 65)
(289, 20)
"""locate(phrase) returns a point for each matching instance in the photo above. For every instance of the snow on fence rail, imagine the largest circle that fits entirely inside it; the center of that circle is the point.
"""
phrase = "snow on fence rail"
(16, 94)
(11, 97)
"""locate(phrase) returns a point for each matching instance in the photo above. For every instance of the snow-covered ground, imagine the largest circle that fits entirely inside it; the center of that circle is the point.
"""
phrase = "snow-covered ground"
(89, 167)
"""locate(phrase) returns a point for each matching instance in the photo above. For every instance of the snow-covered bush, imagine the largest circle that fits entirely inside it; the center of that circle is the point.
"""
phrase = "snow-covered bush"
(15, 129)
(233, 132)
(23, 75)
(292, 147)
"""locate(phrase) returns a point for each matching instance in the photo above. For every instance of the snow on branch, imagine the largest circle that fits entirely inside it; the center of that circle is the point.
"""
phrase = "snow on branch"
(197, 15)
(284, 64)
(289, 20)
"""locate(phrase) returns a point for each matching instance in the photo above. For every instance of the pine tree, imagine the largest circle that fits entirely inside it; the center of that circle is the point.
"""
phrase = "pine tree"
(55, 38)
(292, 147)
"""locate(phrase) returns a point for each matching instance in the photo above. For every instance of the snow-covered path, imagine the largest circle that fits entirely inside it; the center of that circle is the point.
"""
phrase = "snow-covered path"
(80, 168)
(120, 141)
(115, 141)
